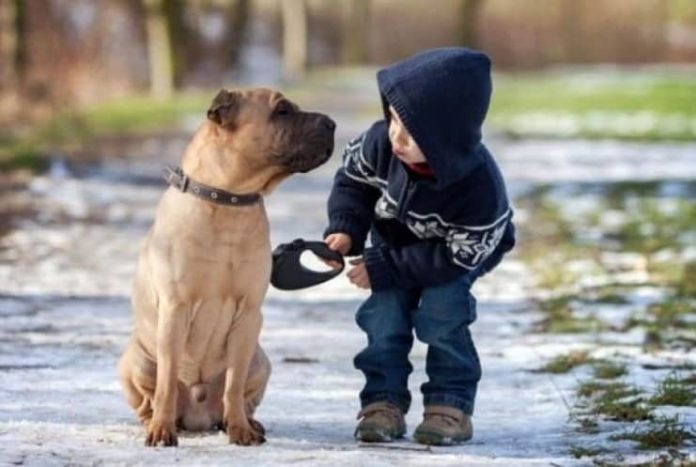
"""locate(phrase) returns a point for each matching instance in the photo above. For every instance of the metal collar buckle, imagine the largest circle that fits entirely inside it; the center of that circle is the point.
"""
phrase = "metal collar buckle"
(183, 181)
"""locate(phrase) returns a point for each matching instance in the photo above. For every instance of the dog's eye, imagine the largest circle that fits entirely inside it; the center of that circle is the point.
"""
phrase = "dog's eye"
(282, 109)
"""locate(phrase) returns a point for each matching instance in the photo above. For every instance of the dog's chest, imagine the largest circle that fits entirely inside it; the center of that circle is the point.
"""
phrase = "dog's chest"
(214, 263)
(207, 341)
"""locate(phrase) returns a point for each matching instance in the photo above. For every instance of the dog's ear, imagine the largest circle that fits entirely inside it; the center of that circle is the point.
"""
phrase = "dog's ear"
(224, 108)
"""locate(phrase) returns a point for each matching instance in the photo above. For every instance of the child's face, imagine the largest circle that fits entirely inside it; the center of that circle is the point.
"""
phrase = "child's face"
(404, 146)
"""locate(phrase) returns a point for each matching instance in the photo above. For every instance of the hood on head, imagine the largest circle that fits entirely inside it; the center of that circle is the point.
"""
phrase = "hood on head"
(442, 96)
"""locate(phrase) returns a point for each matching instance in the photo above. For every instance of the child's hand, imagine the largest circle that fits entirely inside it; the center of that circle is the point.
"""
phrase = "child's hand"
(358, 275)
(339, 242)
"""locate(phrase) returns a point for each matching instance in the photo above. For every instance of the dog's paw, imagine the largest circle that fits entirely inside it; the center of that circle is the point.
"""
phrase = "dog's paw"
(257, 426)
(245, 436)
(159, 433)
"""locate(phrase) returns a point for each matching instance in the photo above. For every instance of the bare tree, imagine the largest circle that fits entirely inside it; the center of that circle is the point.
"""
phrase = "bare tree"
(661, 24)
(181, 37)
(470, 16)
(294, 38)
(571, 21)
(12, 54)
(356, 22)
(159, 50)
(238, 15)
(9, 43)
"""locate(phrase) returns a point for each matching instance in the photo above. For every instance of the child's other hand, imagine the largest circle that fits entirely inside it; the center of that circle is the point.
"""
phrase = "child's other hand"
(358, 275)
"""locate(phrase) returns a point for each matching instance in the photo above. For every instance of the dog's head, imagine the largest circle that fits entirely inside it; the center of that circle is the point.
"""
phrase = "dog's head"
(263, 134)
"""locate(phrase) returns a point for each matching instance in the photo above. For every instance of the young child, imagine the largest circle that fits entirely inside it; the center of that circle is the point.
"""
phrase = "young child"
(432, 197)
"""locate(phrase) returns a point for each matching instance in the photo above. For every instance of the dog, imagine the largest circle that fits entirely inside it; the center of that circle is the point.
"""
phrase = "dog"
(194, 361)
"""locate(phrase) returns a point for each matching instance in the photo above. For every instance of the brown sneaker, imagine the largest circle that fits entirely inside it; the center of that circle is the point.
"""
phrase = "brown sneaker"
(381, 422)
(443, 426)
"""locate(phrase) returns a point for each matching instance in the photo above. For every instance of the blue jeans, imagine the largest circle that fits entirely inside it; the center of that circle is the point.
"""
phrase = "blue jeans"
(440, 316)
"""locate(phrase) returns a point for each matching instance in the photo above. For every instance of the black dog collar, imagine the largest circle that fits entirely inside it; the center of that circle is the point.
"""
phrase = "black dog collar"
(178, 179)
(289, 273)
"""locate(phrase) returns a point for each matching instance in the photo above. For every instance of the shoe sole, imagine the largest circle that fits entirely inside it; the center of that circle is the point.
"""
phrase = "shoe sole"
(437, 439)
(375, 436)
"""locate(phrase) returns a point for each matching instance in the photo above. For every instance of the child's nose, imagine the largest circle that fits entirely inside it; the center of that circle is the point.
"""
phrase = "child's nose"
(392, 130)
(397, 135)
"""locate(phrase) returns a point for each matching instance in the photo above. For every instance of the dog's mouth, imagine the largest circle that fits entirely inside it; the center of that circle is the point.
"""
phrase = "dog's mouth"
(327, 153)
(307, 164)
(307, 158)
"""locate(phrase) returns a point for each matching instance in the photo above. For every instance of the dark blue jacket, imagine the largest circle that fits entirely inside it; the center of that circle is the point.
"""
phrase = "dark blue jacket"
(426, 232)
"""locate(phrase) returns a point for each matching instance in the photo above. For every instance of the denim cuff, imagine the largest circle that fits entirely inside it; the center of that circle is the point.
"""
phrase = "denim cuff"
(449, 400)
(403, 403)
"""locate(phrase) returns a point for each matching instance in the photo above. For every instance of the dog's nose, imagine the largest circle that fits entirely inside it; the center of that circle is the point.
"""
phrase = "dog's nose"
(329, 124)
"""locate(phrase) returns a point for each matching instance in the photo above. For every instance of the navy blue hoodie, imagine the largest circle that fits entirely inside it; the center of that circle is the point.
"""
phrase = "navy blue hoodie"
(426, 231)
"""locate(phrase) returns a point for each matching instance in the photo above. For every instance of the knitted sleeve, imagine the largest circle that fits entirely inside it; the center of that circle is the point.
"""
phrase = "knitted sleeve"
(355, 191)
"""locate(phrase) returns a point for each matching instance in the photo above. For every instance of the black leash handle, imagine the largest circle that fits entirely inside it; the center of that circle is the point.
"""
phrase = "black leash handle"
(290, 274)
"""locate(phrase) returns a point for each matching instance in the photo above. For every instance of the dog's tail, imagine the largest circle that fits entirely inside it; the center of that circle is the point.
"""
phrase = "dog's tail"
(199, 392)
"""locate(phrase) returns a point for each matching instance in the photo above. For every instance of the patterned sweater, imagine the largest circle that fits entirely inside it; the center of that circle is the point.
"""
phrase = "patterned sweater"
(426, 231)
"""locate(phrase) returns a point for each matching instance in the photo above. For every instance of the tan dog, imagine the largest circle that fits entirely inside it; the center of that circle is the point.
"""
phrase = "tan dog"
(193, 360)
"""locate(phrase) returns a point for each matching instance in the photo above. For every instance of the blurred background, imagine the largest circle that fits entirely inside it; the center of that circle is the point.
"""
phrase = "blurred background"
(67, 59)
(593, 121)
(59, 56)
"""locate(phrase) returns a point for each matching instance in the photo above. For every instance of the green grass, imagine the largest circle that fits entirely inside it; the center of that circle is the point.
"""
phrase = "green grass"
(586, 91)
(674, 391)
(587, 425)
(656, 228)
(650, 227)
(609, 370)
(666, 323)
(131, 116)
(672, 312)
(565, 363)
(20, 155)
(685, 283)
(615, 401)
(665, 432)
(623, 411)
(620, 402)
(627, 105)
(610, 299)
(559, 317)
(582, 451)
(144, 114)
(590, 388)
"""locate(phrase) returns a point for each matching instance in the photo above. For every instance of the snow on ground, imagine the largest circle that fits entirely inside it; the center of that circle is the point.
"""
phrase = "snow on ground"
(61, 402)
(556, 161)
(64, 319)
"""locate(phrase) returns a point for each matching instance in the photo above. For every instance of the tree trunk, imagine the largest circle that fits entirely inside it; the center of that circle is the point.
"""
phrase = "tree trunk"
(571, 23)
(356, 24)
(237, 24)
(180, 37)
(662, 18)
(159, 50)
(294, 38)
(9, 41)
(470, 15)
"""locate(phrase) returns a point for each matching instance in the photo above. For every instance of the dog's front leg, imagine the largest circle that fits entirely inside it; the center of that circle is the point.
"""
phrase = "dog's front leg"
(171, 337)
(241, 344)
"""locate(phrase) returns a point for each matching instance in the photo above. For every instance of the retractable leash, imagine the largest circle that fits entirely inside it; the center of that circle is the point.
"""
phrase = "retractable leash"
(290, 274)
